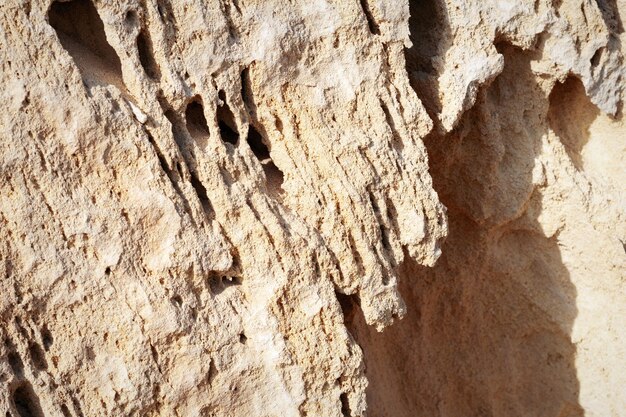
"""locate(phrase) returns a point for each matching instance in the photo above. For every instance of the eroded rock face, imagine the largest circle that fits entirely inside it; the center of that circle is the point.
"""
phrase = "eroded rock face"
(520, 316)
(186, 186)
(206, 208)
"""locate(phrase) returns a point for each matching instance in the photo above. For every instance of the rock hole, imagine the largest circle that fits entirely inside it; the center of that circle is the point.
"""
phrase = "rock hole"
(275, 179)
(279, 124)
(163, 163)
(177, 300)
(212, 372)
(350, 303)
(242, 338)
(65, 411)
(431, 36)
(146, 55)
(257, 144)
(246, 87)
(611, 15)
(226, 121)
(273, 174)
(196, 122)
(81, 32)
(155, 354)
(107, 271)
(345, 405)
(371, 23)
(427, 42)
(385, 237)
(217, 284)
(26, 6)
(228, 134)
(131, 18)
(595, 59)
(229, 280)
(570, 114)
(37, 356)
(26, 402)
(16, 364)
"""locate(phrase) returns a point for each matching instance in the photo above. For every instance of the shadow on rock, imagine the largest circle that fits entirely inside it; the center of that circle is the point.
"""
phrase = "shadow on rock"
(488, 328)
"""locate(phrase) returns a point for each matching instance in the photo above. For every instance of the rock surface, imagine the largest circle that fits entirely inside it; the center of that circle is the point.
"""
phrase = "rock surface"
(213, 208)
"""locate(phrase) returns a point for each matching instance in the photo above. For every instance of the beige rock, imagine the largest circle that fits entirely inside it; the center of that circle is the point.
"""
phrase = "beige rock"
(206, 208)
(185, 186)
(522, 315)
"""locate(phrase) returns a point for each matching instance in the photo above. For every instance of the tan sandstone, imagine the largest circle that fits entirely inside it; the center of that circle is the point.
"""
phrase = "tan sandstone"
(312, 208)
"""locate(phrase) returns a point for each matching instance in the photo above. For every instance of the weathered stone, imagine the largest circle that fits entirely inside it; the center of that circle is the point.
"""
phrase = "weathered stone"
(207, 208)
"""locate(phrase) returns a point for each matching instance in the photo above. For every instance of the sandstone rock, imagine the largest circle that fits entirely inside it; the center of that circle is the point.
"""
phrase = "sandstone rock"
(207, 208)
(521, 314)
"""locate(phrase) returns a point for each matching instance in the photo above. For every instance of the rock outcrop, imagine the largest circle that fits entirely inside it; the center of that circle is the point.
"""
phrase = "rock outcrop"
(214, 208)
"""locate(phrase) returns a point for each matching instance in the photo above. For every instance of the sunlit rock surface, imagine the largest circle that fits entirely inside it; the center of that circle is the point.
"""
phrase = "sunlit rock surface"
(214, 208)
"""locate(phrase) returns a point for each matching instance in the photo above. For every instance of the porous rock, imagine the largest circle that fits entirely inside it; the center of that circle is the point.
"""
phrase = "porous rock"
(213, 208)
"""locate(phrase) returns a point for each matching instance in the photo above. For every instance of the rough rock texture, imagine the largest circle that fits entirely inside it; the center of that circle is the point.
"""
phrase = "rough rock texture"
(212, 208)
(523, 314)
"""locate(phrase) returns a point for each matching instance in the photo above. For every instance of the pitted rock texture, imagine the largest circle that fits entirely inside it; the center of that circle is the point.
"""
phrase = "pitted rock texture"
(207, 208)
(185, 186)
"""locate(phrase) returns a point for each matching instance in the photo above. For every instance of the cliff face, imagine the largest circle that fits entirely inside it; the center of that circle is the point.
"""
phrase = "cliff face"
(521, 315)
(213, 208)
